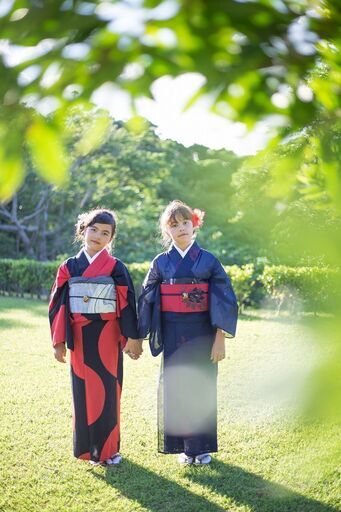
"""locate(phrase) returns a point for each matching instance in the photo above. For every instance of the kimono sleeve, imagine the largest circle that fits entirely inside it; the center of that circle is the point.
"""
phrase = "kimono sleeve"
(149, 308)
(58, 307)
(222, 301)
(126, 302)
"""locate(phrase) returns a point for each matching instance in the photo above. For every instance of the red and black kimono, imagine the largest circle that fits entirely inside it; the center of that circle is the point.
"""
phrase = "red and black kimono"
(95, 341)
(183, 302)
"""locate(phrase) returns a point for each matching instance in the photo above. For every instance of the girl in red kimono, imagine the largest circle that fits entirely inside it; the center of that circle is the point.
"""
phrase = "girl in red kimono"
(188, 307)
(92, 311)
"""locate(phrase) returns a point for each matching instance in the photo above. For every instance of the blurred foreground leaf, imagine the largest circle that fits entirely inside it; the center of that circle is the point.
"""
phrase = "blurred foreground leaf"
(94, 135)
(258, 59)
(48, 152)
(11, 176)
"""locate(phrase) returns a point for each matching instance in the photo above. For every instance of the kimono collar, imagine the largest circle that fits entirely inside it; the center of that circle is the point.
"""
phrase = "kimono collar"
(181, 252)
(102, 264)
(92, 258)
(193, 251)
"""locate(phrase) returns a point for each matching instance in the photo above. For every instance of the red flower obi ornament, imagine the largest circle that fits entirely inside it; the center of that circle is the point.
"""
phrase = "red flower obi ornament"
(198, 218)
(184, 298)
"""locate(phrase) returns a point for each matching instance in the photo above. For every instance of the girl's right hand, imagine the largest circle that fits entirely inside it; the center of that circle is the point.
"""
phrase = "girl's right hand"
(133, 348)
(60, 352)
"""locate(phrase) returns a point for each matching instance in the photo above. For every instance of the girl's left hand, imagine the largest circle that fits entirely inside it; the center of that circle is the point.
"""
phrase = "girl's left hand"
(133, 348)
(218, 348)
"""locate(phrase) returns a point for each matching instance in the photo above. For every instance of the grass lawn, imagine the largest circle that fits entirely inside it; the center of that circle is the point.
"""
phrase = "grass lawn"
(269, 460)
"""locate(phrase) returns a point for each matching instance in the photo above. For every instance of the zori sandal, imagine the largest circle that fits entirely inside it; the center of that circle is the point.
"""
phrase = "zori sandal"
(115, 459)
(185, 459)
(203, 458)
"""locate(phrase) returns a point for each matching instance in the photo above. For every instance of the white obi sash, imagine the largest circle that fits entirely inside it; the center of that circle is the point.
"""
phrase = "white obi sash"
(92, 294)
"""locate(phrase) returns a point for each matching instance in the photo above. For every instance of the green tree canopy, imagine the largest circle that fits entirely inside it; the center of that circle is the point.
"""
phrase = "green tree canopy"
(259, 58)
(134, 174)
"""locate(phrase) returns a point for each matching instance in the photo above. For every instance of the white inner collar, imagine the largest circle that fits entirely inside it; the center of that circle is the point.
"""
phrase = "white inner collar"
(181, 252)
(92, 258)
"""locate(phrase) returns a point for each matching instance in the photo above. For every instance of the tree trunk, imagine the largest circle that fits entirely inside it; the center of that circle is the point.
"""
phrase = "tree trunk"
(22, 227)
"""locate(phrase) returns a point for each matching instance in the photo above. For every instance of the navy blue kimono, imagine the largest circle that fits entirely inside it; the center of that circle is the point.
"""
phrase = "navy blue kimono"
(187, 393)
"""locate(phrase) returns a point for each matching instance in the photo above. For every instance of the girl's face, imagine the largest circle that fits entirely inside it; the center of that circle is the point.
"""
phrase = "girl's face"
(181, 232)
(96, 237)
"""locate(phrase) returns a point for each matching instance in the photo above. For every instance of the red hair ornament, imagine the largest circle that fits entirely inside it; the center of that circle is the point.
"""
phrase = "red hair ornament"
(198, 218)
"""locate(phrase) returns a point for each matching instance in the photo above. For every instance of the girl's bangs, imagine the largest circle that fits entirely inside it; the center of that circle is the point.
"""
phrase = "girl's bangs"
(178, 214)
(103, 218)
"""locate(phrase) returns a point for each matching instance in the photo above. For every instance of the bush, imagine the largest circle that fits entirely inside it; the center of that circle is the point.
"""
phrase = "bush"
(36, 278)
(309, 288)
(243, 280)
(5, 273)
(138, 272)
(27, 276)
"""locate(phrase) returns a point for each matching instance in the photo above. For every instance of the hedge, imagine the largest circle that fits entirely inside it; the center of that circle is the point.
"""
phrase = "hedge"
(285, 285)
(243, 280)
(307, 288)
(19, 277)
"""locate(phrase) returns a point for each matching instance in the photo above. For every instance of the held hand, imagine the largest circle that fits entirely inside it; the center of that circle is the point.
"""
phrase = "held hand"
(133, 348)
(60, 352)
(218, 348)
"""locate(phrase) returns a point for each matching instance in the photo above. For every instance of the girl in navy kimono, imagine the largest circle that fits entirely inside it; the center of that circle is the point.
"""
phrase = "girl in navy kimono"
(92, 311)
(187, 307)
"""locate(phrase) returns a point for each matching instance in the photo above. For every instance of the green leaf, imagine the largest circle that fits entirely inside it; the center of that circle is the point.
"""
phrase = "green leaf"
(94, 136)
(11, 176)
(137, 124)
(48, 152)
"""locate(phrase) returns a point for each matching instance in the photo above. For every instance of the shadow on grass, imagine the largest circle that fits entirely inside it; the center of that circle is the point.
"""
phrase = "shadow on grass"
(36, 307)
(249, 489)
(285, 320)
(8, 323)
(268, 315)
(250, 318)
(156, 493)
(271, 316)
